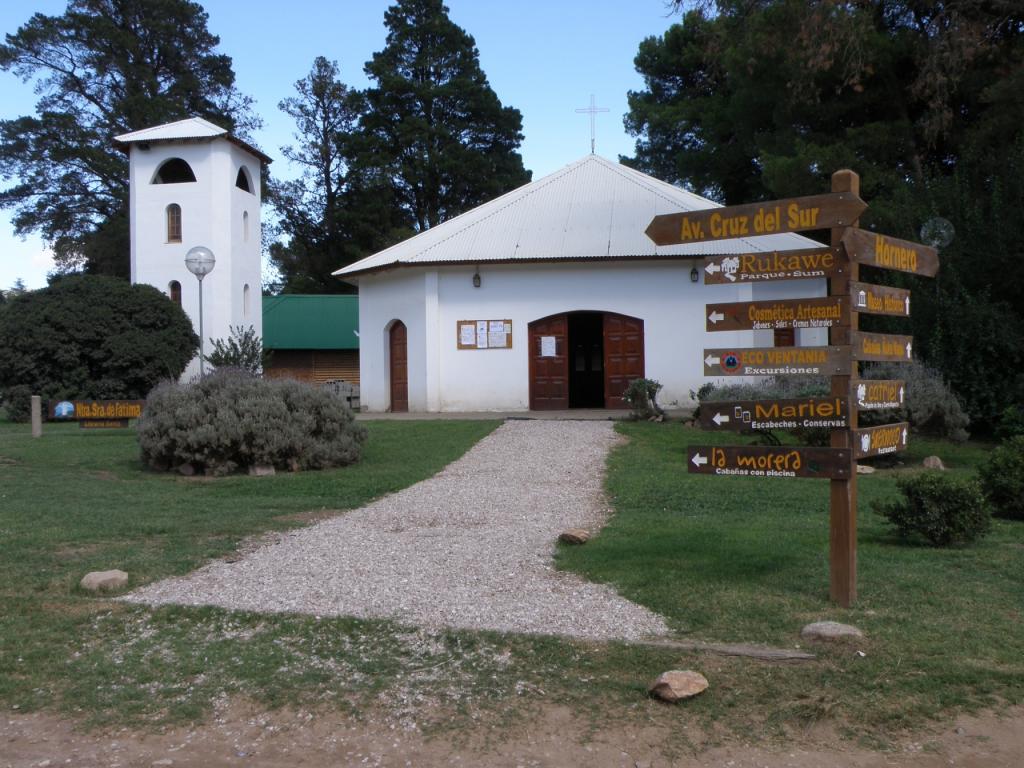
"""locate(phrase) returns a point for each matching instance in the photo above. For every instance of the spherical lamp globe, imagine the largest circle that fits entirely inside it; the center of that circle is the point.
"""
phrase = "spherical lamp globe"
(200, 261)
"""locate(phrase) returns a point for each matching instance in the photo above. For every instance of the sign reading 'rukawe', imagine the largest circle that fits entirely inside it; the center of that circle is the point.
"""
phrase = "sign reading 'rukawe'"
(804, 264)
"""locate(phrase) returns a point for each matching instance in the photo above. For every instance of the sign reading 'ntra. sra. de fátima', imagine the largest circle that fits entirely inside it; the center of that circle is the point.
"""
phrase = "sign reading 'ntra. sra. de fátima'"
(90, 413)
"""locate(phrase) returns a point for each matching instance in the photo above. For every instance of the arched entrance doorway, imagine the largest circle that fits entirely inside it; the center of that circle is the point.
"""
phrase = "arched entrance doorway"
(584, 359)
(399, 367)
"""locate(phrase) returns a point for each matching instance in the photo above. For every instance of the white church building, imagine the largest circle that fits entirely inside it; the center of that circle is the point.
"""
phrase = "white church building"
(552, 297)
(193, 184)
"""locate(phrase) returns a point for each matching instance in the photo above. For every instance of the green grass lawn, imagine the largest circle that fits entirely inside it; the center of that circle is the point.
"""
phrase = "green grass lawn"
(746, 560)
(725, 559)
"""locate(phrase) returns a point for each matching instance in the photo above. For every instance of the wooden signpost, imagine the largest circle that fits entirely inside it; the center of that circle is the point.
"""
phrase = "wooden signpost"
(776, 361)
(803, 264)
(880, 299)
(839, 312)
(879, 394)
(795, 215)
(768, 461)
(818, 312)
(754, 415)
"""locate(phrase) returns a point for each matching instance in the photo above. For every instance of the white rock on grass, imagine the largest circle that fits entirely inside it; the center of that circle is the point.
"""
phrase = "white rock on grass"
(677, 685)
(97, 581)
(830, 630)
(934, 462)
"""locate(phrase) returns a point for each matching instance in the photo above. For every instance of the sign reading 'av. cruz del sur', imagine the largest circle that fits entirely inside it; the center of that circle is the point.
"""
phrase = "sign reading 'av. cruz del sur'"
(838, 312)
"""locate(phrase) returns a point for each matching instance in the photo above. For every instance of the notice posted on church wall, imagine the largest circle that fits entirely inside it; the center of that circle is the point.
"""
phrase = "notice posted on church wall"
(484, 334)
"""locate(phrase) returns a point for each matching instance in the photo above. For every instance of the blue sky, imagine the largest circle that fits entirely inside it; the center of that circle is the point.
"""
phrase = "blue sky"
(543, 57)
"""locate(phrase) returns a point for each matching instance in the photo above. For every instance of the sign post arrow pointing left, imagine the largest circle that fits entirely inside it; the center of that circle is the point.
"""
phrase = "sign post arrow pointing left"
(720, 418)
(716, 317)
(711, 268)
(709, 360)
(698, 460)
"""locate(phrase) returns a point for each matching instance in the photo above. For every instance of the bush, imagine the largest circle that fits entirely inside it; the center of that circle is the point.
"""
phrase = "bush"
(930, 405)
(1011, 423)
(944, 510)
(90, 337)
(1002, 478)
(230, 421)
(242, 349)
(642, 396)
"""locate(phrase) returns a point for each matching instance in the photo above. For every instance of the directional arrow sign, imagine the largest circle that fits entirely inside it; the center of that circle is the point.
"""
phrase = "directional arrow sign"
(776, 361)
(881, 346)
(753, 415)
(804, 264)
(880, 299)
(875, 441)
(878, 394)
(818, 312)
(768, 461)
(836, 209)
(876, 250)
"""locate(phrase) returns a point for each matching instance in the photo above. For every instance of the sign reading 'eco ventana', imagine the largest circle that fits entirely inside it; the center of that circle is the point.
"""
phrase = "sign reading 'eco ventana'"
(776, 361)
(805, 413)
(822, 312)
(804, 264)
(795, 215)
(768, 461)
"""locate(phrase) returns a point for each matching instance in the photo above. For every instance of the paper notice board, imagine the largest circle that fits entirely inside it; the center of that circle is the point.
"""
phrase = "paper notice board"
(484, 334)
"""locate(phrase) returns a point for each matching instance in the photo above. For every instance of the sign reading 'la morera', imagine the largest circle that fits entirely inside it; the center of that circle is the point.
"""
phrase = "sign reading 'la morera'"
(802, 413)
(776, 361)
(879, 394)
(880, 299)
(881, 346)
(876, 441)
(803, 264)
(768, 461)
(874, 250)
(821, 312)
(836, 209)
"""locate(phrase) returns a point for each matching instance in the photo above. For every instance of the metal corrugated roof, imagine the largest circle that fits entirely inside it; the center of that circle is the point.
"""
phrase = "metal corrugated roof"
(192, 128)
(299, 321)
(591, 209)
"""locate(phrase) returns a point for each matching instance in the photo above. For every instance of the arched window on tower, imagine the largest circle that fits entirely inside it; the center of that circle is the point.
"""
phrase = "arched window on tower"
(174, 291)
(245, 226)
(173, 223)
(243, 181)
(174, 171)
(245, 301)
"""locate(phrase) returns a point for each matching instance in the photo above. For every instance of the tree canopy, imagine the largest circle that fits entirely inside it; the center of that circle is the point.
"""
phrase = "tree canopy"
(103, 68)
(90, 336)
(432, 123)
(747, 101)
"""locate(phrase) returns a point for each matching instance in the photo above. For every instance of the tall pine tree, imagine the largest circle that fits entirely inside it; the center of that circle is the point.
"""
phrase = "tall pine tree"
(433, 125)
(103, 68)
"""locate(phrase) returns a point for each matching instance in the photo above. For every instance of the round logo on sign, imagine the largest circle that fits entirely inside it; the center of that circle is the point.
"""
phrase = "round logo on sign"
(64, 410)
(730, 362)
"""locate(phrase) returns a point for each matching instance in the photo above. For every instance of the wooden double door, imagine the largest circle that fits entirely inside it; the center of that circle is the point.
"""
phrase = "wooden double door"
(584, 360)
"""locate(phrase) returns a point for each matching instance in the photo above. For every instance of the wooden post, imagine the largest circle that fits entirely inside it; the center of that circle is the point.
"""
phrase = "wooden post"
(37, 416)
(843, 508)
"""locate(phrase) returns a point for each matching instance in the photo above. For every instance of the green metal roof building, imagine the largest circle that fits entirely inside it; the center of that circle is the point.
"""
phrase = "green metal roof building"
(312, 337)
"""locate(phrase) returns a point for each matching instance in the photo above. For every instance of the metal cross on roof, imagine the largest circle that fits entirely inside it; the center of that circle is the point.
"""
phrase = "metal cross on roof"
(592, 110)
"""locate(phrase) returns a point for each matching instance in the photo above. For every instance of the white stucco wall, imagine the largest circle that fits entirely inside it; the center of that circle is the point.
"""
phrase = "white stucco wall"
(442, 377)
(212, 211)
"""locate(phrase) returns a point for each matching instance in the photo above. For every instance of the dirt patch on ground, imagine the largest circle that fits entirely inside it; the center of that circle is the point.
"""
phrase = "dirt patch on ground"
(239, 734)
(312, 516)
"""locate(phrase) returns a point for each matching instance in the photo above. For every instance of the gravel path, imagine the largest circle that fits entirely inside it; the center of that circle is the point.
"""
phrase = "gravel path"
(470, 548)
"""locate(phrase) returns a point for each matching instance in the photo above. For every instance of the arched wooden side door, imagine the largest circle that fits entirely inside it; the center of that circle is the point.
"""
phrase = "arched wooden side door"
(623, 356)
(549, 363)
(399, 354)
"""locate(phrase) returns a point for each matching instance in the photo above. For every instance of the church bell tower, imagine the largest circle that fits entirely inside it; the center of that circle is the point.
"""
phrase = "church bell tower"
(193, 184)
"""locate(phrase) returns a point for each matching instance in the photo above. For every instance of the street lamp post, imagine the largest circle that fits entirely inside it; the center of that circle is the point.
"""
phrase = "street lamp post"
(200, 262)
